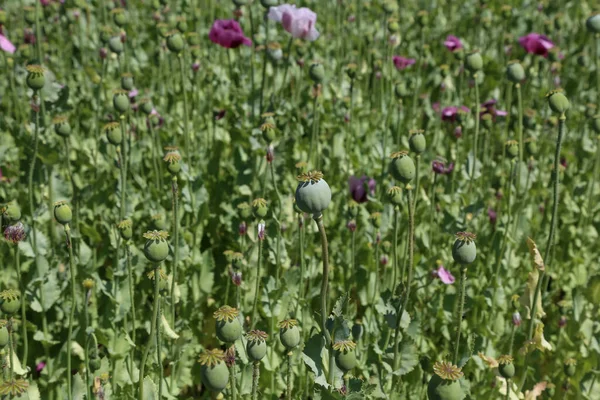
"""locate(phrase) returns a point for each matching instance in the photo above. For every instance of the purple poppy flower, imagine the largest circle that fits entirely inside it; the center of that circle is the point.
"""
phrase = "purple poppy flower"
(15, 233)
(228, 33)
(535, 43)
(444, 275)
(133, 93)
(453, 43)
(489, 108)
(403, 62)
(492, 215)
(351, 225)
(300, 22)
(40, 366)
(358, 188)
(439, 167)
(6, 45)
(450, 114)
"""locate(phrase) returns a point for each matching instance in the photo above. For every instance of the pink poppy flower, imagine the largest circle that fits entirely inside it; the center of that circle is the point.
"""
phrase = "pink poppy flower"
(360, 188)
(451, 113)
(445, 276)
(228, 33)
(300, 22)
(453, 43)
(6, 44)
(489, 108)
(403, 62)
(536, 44)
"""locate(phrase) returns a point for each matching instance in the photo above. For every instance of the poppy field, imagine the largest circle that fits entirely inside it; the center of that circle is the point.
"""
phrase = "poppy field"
(329, 199)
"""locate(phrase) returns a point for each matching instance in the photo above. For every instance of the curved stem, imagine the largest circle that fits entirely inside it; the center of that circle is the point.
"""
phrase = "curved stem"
(257, 284)
(72, 312)
(507, 389)
(255, 377)
(152, 329)
(459, 313)
(23, 315)
(88, 385)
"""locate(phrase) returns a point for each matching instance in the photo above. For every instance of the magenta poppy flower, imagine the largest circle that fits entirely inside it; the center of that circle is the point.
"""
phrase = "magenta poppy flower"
(440, 168)
(228, 33)
(403, 62)
(359, 186)
(450, 114)
(536, 44)
(489, 108)
(6, 44)
(453, 43)
(445, 276)
(300, 22)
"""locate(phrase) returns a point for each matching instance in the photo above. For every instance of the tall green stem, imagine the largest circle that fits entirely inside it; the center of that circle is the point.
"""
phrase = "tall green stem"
(30, 179)
(255, 377)
(159, 347)
(290, 379)
(152, 330)
(395, 265)
(313, 135)
(257, 284)
(72, 312)
(175, 192)
(459, 313)
(550, 242)
(123, 169)
(324, 287)
(287, 62)
(475, 137)
(23, 315)
(232, 383)
(417, 179)
(186, 131)
(12, 351)
(132, 300)
(520, 125)
(302, 267)
(264, 69)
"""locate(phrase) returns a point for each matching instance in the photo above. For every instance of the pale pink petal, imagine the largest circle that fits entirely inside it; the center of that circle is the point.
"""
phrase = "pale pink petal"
(445, 276)
(6, 44)
(276, 13)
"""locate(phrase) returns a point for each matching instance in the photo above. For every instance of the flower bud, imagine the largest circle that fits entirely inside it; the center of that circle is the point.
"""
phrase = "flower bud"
(119, 17)
(593, 23)
(422, 18)
(417, 141)
(62, 212)
(515, 72)
(317, 72)
(146, 106)
(115, 45)
(351, 225)
(516, 318)
(270, 154)
(193, 39)
(105, 34)
(175, 42)
(474, 61)
(531, 146)
(242, 228)
(558, 102)
(35, 77)
(127, 81)
(376, 219)
(512, 148)
(29, 13)
(121, 101)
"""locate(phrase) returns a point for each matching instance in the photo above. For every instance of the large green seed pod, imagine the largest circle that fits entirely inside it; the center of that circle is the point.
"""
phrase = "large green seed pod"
(474, 61)
(228, 327)
(121, 101)
(35, 77)
(115, 44)
(12, 212)
(558, 102)
(345, 355)
(506, 368)
(289, 334)
(113, 133)
(10, 301)
(127, 81)
(444, 384)
(317, 72)
(119, 17)
(515, 72)
(464, 250)
(214, 372)
(313, 194)
(256, 347)
(417, 141)
(156, 248)
(402, 167)
(3, 334)
(531, 146)
(62, 212)
(175, 43)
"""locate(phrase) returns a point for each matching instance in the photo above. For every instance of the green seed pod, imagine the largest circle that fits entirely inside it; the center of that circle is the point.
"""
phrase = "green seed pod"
(113, 133)
(464, 250)
(256, 347)
(182, 25)
(95, 364)
(512, 148)
(62, 212)
(317, 72)
(245, 211)
(163, 29)
(193, 38)
(353, 208)
(10, 301)
(393, 26)
(146, 106)
(531, 147)
(156, 248)
(3, 334)
(558, 102)
(395, 195)
(35, 77)
(175, 42)
(474, 62)
(61, 125)
(228, 327)
(268, 3)
(402, 167)
(125, 229)
(119, 17)
(401, 90)
(423, 18)
(417, 141)
(593, 23)
(506, 368)
(274, 52)
(173, 158)
(390, 6)
(121, 101)
(195, 52)
(313, 194)
(214, 372)
(289, 334)
(441, 389)
(259, 208)
(268, 127)
(570, 367)
(115, 45)
(345, 355)
(127, 81)
(515, 72)
(12, 212)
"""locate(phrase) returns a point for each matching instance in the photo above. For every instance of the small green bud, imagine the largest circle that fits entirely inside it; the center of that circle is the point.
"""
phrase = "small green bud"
(175, 42)
(390, 6)
(570, 367)
(125, 229)
(61, 126)
(146, 106)
(182, 25)
(127, 81)
(121, 101)
(423, 18)
(531, 147)
(317, 72)
(193, 38)
(119, 17)
(512, 148)
(113, 133)
(474, 62)
(417, 141)
(515, 72)
(115, 44)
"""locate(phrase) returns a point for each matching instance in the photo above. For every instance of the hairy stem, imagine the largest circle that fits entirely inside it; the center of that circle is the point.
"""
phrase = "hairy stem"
(459, 313)
(72, 312)
(257, 285)
(255, 377)
(152, 330)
